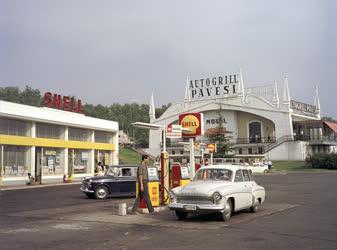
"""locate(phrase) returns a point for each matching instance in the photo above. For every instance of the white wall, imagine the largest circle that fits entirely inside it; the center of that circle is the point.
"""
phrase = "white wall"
(289, 151)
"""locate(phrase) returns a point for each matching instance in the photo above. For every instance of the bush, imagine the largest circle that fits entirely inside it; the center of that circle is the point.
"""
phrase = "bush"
(322, 160)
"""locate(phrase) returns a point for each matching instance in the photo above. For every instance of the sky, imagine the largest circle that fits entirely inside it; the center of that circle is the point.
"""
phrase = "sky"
(108, 52)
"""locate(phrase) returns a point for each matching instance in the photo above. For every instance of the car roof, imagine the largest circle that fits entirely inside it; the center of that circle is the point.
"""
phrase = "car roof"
(226, 166)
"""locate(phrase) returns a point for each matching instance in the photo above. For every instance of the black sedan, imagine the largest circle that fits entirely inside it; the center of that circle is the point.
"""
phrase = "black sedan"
(118, 181)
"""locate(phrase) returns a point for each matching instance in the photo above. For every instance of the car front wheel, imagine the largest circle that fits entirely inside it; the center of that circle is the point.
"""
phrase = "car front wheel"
(181, 215)
(101, 192)
(227, 213)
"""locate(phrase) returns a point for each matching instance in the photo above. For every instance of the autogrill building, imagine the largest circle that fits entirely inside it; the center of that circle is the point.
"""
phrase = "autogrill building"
(51, 143)
(259, 123)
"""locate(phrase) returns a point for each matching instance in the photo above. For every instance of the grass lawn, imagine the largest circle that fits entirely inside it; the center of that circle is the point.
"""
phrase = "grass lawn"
(128, 156)
(294, 166)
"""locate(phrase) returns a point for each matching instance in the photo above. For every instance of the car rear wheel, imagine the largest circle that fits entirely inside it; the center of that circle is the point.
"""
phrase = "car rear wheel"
(181, 215)
(227, 213)
(101, 192)
(254, 208)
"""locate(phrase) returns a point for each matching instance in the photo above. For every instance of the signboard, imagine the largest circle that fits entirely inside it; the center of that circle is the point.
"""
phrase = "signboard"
(184, 173)
(85, 156)
(211, 148)
(153, 174)
(194, 122)
(214, 87)
(65, 103)
(173, 131)
(303, 107)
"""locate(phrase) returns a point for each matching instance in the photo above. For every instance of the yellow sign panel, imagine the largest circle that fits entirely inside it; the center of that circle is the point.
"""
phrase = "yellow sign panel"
(191, 122)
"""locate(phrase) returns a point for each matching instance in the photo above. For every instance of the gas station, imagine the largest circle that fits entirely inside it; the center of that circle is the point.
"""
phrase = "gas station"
(172, 174)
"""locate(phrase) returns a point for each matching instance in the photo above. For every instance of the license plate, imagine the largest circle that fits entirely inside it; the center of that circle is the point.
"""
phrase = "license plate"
(190, 208)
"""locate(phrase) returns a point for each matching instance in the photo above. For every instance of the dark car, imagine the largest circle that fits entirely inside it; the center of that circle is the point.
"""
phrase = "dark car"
(119, 180)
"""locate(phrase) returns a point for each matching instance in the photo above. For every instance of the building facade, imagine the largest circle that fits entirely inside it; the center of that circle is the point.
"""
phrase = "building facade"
(257, 123)
(50, 144)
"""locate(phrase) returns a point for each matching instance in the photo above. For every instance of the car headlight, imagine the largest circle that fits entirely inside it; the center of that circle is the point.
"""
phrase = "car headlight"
(172, 196)
(216, 197)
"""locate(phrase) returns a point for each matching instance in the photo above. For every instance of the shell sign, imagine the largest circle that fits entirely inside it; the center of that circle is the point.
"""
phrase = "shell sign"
(194, 122)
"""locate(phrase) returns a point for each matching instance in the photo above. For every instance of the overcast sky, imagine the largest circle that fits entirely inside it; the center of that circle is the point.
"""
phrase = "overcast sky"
(121, 51)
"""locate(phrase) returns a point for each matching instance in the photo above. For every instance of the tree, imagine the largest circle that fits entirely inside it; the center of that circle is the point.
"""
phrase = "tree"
(328, 118)
(10, 94)
(219, 136)
(31, 97)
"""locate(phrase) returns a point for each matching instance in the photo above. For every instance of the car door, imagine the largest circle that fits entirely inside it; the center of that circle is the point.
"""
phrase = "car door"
(126, 180)
(239, 191)
(248, 188)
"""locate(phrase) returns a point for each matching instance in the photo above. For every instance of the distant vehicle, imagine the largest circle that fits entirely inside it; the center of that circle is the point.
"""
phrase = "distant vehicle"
(217, 188)
(258, 168)
(119, 180)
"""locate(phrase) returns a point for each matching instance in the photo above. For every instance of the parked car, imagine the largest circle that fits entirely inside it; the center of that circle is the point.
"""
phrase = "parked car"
(217, 188)
(119, 180)
(258, 168)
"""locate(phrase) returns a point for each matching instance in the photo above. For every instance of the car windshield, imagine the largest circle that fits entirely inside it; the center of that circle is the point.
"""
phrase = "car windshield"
(214, 175)
(112, 170)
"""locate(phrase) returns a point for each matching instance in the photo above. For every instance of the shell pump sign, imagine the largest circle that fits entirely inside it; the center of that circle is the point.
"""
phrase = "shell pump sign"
(194, 122)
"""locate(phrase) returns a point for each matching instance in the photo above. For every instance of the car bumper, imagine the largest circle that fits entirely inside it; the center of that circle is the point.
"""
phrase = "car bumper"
(86, 190)
(196, 207)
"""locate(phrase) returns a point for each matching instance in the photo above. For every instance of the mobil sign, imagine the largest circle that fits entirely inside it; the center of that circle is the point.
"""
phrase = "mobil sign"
(193, 123)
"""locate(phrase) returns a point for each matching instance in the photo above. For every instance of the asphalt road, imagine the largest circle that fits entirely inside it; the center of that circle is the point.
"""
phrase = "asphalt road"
(300, 213)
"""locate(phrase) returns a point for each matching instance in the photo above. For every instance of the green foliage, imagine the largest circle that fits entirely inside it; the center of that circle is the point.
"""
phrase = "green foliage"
(329, 119)
(322, 160)
(219, 136)
(28, 96)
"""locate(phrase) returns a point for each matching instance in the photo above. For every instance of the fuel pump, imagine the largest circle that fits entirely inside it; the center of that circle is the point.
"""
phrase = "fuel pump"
(180, 175)
(153, 187)
(197, 166)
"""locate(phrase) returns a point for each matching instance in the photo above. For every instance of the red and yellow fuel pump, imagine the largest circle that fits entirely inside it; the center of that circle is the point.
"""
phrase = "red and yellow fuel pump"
(180, 175)
(153, 187)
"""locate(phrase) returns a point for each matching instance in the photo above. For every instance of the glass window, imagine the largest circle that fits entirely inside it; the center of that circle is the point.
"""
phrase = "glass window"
(103, 157)
(49, 131)
(78, 134)
(238, 176)
(214, 175)
(52, 161)
(16, 161)
(245, 175)
(14, 127)
(103, 137)
(79, 161)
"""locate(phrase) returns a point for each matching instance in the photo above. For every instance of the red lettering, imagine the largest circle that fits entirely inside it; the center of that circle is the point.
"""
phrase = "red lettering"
(57, 101)
(79, 106)
(47, 100)
(66, 103)
(72, 105)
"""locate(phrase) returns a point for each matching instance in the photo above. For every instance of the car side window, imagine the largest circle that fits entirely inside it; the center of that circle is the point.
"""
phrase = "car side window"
(238, 176)
(251, 175)
(245, 175)
(125, 172)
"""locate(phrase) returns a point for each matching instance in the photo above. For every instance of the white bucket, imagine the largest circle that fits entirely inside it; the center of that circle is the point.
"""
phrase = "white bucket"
(122, 209)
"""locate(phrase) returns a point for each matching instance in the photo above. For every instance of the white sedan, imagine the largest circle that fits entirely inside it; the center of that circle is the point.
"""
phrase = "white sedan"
(221, 188)
(258, 168)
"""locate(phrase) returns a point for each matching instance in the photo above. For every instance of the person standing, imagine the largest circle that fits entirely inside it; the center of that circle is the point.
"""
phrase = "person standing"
(143, 179)
(269, 165)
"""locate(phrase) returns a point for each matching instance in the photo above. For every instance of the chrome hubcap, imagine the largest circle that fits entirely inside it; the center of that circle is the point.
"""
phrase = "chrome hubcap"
(101, 192)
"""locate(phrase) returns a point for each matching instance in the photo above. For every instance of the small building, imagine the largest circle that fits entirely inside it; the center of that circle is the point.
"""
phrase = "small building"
(50, 144)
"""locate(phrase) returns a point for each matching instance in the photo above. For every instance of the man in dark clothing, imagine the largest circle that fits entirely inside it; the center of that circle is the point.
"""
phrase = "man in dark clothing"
(143, 179)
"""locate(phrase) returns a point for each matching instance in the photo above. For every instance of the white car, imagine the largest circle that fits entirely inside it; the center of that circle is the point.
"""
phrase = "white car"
(258, 168)
(218, 188)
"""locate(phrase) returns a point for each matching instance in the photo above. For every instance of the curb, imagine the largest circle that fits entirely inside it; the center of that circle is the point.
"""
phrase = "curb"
(9, 188)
